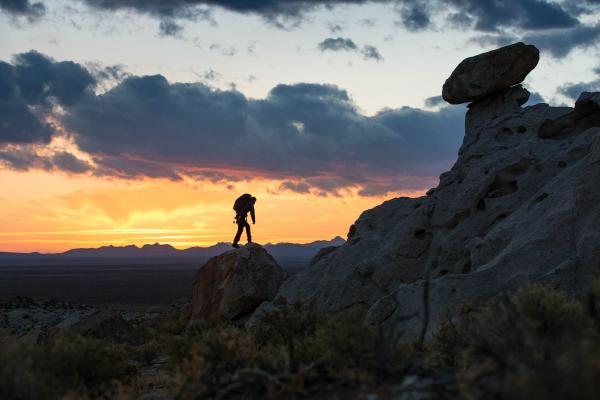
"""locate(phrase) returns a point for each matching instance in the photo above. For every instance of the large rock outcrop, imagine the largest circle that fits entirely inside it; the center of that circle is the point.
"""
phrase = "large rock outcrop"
(519, 206)
(233, 284)
(484, 74)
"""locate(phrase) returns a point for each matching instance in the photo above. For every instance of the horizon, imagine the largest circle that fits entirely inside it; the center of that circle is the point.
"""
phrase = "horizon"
(134, 124)
(146, 245)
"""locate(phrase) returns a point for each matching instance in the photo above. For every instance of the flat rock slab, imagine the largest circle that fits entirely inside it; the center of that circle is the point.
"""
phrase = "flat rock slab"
(487, 73)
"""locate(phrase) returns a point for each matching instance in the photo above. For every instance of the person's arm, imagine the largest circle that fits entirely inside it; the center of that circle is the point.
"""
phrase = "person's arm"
(252, 214)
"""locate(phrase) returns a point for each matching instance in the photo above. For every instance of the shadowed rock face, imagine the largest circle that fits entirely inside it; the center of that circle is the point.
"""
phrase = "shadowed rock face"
(517, 208)
(233, 284)
(484, 74)
(585, 115)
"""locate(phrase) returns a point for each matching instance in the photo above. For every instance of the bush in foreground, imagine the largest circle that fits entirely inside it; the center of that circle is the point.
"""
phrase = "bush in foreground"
(536, 344)
(291, 352)
(92, 367)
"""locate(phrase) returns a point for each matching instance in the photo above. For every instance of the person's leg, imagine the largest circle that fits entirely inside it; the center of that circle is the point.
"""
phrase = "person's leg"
(238, 235)
(248, 233)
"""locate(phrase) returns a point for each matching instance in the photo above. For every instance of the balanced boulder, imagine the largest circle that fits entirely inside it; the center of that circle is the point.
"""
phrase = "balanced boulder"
(520, 206)
(233, 284)
(487, 73)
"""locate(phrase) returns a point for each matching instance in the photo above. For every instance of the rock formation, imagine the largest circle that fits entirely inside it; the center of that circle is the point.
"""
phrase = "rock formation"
(484, 74)
(521, 205)
(233, 284)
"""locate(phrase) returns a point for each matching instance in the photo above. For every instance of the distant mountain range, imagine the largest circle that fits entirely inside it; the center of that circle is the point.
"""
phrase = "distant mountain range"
(283, 252)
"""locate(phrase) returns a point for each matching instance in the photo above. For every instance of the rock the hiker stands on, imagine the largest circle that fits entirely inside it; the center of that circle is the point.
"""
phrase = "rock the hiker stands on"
(233, 284)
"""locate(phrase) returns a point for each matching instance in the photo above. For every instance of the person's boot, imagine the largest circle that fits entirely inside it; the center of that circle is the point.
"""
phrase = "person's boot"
(235, 245)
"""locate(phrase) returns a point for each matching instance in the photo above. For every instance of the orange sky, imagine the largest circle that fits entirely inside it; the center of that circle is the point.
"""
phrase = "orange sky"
(52, 212)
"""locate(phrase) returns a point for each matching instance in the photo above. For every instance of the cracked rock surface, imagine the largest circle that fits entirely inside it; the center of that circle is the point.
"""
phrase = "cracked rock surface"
(520, 206)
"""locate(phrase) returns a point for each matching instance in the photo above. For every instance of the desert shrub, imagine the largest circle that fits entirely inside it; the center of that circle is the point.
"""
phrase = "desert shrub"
(290, 352)
(18, 378)
(68, 364)
(536, 344)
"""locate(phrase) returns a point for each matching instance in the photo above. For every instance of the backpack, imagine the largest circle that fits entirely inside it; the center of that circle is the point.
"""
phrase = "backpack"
(241, 203)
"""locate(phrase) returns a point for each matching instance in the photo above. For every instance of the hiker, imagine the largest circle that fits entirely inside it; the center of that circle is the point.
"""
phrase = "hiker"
(243, 205)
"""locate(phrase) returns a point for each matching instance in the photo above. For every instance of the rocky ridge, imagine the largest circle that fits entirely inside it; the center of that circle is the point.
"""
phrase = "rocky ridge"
(521, 205)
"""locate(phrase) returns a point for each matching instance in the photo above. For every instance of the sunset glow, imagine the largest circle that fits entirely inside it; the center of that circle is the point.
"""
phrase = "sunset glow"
(50, 212)
(140, 122)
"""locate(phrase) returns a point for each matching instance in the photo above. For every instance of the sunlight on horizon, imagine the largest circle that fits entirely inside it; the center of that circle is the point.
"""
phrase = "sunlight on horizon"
(57, 212)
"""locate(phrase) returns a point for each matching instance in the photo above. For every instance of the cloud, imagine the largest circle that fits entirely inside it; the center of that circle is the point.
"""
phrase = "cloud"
(310, 137)
(337, 44)
(573, 90)
(24, 158)
(434, 101)
(224, 50)
(40, 79)
(345, 44)
(492, 16)
(23, 8)
(534, 20)
(560, 43)
(169, 27)
(482, 15)
(371, 53)
(29, 87)
(283, 14)
(414, 15)
(311, 132)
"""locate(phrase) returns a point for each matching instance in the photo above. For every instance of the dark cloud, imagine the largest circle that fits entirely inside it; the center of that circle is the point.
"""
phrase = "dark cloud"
(298, 187)
(493, 15)
(23, 8)
(560, 43)
(483, 15)
(338, 44)
(29, 87)
(573, 90)
(312, 137)
(18, 124)
(25, 158)
(434, 101)
(284, 14)
(110, 73)
(311, 132)
(535, 20)
(68, 162)
(40, 79)
(345, 44)
(414, 15)
(371, 53)
(169, 27)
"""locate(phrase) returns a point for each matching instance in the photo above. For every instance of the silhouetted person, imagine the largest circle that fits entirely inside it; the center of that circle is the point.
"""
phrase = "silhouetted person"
(242, 206)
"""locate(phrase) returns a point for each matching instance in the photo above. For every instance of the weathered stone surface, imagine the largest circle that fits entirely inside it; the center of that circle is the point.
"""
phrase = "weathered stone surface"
(234, 283)
(487, 73)
(515, 209)
(585, 115)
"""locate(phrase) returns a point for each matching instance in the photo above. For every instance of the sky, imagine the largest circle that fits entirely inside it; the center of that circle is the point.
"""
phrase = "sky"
(139, 122)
